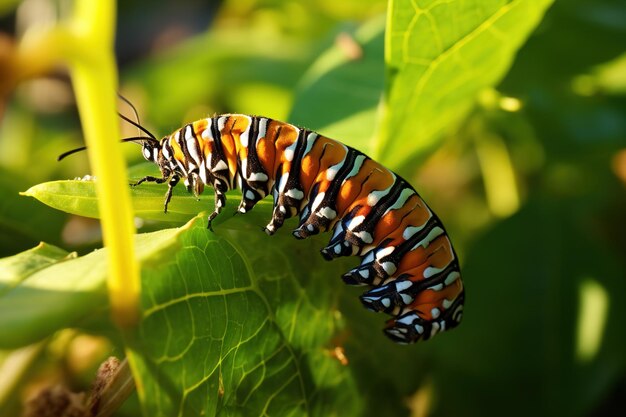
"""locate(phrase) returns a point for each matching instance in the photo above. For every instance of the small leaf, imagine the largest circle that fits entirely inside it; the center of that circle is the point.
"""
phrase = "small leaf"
(436, 68)
(63, 293)
(17, 268)
(79, 197)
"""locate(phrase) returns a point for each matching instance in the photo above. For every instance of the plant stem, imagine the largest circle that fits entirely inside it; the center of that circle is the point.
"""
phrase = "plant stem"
(94, 77)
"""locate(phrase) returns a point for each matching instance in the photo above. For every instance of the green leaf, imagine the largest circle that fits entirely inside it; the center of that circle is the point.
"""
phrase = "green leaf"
(436, 68)
(17, 268)
(230, 328)
(79, 197)
(56, 292)
(339, 96)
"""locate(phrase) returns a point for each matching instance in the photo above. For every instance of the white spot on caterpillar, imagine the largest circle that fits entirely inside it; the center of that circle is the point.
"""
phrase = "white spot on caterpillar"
(408, 319)
(452, 276)
(283, 182)
(375, 196)
(430, 271)
(384, 252)
(365, 273)
(446, 303)
(289, 150)
(221, 165)
(385, 302)
(419, 329)
(409, 231)
(258, 176)
(327, 212)
(332, 171)
(192, 145)
(262, 128)
(221, 121)
(431, 236)
(437, 287)
(244, 166)
(434, 329)
(435, 312)
(310, 141)
(317, 201)
(389, 267)
(358, 163)
(206, 133)
(337, 249)
(310, 227)
(295, 193)
(250, 195)
(203, 176)
(403, 285)
(282, 209)
(402, 198)
(406, 299)
(355, 222)
(243, 138)
(365, 236)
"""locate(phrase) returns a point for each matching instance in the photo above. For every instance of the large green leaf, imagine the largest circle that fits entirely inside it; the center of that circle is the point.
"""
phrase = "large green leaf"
(233, 330)
(49, 291)
(439, 55)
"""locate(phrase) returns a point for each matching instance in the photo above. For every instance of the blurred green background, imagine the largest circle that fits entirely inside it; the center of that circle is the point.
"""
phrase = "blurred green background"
(531, 185)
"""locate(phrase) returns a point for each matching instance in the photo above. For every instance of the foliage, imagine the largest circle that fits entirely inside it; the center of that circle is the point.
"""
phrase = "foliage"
(528, 173)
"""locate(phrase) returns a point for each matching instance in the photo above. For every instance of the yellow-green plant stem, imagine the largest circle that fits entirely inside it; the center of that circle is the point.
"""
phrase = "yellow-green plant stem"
(85, 44)
(95, 81)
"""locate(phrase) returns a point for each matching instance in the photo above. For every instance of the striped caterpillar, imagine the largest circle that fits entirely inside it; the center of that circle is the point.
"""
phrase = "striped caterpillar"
(406, 256)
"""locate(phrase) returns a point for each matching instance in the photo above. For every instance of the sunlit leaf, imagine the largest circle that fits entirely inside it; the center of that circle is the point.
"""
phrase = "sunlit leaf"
(79, 197)
(224, 333)
(17, 268)
(436, 68)
(64, 291)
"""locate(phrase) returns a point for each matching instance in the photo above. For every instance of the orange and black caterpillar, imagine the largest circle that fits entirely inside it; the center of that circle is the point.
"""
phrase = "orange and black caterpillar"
(406, 256)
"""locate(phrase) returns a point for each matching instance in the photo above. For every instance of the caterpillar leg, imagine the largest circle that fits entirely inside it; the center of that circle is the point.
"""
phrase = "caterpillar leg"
(150, 178)
(194, 184)
(249, 197)
(409, 327)
(172, 183)
(219, 187)
(168, 195)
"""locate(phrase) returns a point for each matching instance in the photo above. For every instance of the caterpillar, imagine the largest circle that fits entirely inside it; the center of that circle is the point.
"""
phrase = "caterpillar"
(407, 258)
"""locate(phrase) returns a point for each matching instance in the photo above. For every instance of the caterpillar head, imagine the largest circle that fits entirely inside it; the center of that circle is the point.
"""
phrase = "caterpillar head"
(151, 150)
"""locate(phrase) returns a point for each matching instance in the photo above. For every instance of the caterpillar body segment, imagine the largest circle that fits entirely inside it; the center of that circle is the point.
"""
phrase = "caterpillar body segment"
(407, 258)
